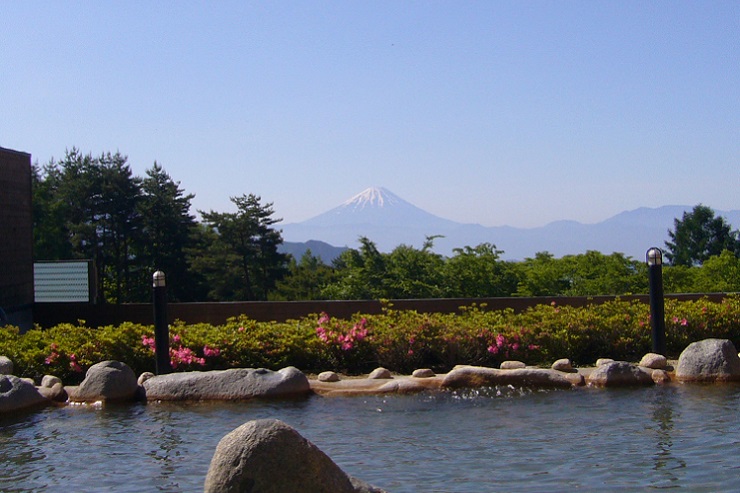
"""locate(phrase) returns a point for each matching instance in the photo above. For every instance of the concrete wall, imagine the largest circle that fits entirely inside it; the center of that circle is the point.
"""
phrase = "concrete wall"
(16, 238)
(50, 314)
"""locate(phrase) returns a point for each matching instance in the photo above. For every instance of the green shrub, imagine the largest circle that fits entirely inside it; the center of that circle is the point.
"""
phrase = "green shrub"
(400, 340)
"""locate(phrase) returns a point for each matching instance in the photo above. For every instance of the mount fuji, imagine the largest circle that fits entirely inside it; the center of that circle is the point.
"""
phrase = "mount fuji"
(389, 221)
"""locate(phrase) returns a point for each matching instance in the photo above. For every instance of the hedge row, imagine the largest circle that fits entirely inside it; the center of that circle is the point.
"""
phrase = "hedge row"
(399, 340)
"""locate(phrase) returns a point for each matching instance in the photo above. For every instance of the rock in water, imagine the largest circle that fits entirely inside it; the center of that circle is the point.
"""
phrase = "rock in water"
(232, 384)
(654, 361)
(17, 394)
(268, 456)
(328, 376)
(512, 365)
(620, 374)
(477, 376)
(106, 381)
(709, 360)
(565, 365)
(380, 374)
(6, 366)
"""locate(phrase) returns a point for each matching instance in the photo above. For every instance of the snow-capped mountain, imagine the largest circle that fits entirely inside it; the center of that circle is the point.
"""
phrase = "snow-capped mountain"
(390, 221)
(375, 207)
(372, 197)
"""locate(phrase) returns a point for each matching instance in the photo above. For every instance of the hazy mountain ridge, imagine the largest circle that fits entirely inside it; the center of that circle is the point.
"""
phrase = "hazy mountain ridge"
(389, 221)
(319, 249)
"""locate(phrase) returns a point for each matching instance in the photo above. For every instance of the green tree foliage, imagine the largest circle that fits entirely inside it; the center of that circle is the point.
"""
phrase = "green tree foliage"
(246, 248)
(360, 274)
(680, 279)
(414, 273)
(120, 225)
(589, 274)
(479, 272)
(719, 273)
(305, 279)
(595, 273)
(50, 233)
(92, 206)
(542, 275)
(168, 231)
(698, 235)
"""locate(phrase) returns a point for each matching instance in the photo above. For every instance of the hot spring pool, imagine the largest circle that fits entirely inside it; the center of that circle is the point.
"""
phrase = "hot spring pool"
(489, 440)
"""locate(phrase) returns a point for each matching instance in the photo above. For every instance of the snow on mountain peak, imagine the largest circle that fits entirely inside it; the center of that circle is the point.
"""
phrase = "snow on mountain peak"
(372, 197)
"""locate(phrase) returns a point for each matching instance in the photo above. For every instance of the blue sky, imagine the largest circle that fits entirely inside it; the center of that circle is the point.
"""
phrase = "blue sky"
(492, 112)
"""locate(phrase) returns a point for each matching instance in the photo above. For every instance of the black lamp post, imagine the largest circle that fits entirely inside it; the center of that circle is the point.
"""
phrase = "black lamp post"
(161, 330)
(657, 305)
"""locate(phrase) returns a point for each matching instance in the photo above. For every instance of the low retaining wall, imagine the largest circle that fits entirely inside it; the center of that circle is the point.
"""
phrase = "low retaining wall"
(50, 314)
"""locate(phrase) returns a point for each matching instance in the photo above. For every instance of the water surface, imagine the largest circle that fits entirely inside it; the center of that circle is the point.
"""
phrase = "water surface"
(682, 437)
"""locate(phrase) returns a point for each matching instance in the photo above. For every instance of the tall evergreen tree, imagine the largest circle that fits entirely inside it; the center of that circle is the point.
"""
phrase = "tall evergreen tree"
(248, 243)
(698, 235)
(120, 225)
(50, 234)
(167, 233)
(86, 208)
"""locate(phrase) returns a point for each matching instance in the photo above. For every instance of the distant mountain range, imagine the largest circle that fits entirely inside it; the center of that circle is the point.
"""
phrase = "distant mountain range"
(389, 221)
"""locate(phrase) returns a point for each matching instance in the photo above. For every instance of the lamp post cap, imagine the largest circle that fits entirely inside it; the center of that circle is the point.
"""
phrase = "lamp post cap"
(158, 279)
(654, 256)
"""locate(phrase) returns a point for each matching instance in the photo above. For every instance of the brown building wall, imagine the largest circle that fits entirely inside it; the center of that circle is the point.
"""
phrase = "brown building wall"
(16, 237)
(49, 314)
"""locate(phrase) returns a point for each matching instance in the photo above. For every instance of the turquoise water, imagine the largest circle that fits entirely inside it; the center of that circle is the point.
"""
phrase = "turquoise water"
(509, 440)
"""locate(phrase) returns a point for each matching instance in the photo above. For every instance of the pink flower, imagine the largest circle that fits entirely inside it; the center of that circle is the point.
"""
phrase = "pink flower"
(500, 340)
(493, 349)
(185, 356)
(241, 329)
(148, 342)
(321, 332)
(210, 352)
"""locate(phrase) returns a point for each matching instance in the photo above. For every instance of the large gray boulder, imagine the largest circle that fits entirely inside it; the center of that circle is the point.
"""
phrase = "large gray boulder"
(17, 394)
(6, 366)
(232, 384)
(106, 381)
(268, 456)
(478, 376)
(710, 360)
(620, 374)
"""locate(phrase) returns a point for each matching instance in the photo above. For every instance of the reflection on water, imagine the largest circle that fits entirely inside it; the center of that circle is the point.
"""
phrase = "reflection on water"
(664, 405)
(483, 440)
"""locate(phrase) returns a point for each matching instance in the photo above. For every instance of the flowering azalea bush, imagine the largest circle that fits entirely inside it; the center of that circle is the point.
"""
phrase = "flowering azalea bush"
(345, 345)
(180, 356)
(400, 340)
